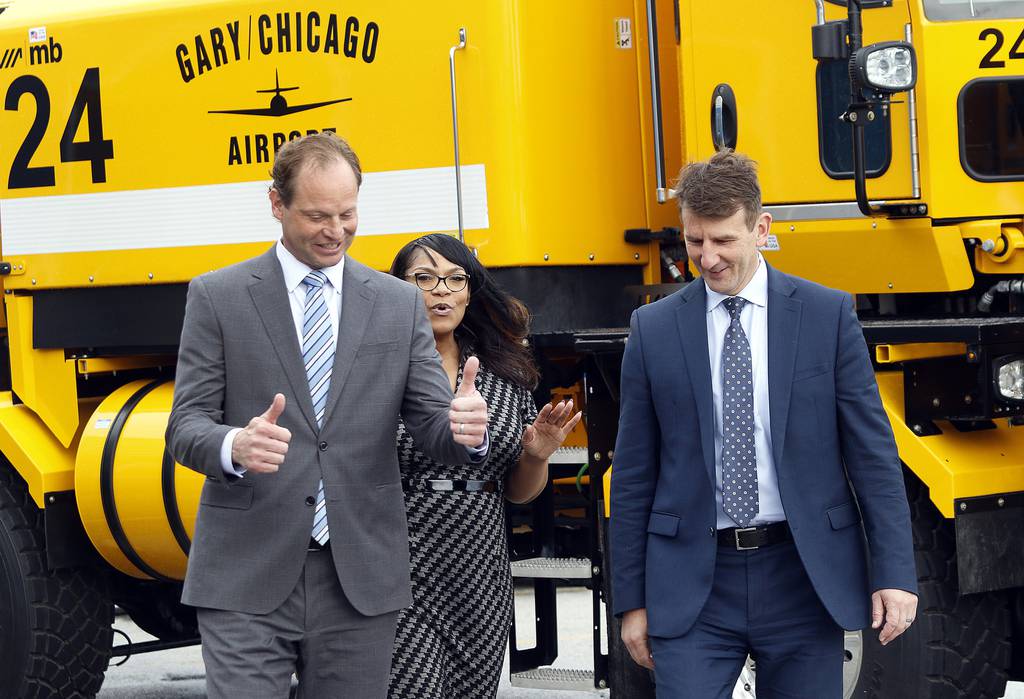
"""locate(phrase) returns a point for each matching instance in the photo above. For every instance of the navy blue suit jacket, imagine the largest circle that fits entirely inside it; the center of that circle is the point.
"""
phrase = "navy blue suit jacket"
(838, 469)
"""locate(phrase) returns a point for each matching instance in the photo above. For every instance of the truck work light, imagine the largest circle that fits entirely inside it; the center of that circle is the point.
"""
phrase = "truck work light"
(1009, 377)
(885, 67)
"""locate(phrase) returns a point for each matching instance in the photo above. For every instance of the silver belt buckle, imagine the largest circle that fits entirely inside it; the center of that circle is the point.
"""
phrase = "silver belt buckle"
(736, 533)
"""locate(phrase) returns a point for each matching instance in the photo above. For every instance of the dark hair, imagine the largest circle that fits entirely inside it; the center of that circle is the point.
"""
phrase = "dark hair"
(720, 186)
(496, 324)
(318, 149)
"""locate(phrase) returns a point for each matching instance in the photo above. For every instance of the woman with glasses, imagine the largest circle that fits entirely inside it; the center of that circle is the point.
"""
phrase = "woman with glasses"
(451, 641)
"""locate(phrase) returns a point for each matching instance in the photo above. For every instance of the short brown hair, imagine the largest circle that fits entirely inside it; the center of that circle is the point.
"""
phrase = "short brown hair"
(317, 149)
(720, 186)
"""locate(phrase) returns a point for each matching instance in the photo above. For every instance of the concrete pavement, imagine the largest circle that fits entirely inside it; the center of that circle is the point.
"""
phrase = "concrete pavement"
(178, 674)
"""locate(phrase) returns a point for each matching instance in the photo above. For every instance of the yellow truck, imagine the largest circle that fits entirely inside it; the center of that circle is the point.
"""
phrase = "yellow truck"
(135, 142)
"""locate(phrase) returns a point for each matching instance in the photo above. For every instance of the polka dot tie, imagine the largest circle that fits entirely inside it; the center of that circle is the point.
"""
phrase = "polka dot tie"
(739, 459)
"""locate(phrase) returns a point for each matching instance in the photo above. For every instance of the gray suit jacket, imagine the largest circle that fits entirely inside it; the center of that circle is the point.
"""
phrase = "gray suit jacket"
(239, 348)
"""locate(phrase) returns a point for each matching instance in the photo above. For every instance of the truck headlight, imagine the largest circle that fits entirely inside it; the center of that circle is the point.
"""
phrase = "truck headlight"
(1008, 372)
(887, 67)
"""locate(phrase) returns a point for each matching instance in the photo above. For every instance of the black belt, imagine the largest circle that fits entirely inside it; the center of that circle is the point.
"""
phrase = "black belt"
(749, 538)
(441, 485)
(315, 545)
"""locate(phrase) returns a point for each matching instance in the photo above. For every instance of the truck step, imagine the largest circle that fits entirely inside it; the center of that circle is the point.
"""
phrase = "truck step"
(569, 455)
(568, 568)
(554, 678)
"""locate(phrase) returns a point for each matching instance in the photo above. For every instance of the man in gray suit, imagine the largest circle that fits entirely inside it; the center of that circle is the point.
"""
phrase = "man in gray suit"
(300, 558)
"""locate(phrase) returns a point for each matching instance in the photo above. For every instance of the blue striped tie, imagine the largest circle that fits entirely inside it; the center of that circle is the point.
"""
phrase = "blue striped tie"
(318, 356)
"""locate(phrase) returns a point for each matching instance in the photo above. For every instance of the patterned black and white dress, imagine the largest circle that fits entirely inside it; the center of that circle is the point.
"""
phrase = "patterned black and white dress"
(451, 641)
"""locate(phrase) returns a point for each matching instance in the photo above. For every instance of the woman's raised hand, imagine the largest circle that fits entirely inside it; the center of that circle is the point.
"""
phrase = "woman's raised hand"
(549, 430)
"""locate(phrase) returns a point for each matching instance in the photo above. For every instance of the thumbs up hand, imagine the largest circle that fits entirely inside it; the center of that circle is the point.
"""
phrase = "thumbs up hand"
(261, 446)
(468, 415)
(274, 411)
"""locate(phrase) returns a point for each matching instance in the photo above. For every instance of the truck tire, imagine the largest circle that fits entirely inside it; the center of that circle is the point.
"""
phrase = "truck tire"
(55, 627)
(626, 679)
(155, 607)
(959, 646)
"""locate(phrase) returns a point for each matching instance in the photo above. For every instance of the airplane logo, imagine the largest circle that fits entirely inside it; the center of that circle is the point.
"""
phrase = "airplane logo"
(278, 104)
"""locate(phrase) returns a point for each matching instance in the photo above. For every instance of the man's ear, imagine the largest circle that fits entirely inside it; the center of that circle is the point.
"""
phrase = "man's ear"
(276, 204)
(762, 227)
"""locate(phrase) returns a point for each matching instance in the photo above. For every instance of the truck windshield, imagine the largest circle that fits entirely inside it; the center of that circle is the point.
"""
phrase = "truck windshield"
(937, 10)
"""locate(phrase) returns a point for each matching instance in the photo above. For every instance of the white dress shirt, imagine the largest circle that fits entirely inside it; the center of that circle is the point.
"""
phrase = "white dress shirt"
(294, 272)
(754, 319)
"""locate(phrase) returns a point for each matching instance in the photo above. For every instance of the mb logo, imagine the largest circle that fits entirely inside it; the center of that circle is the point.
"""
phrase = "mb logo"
(45, 53)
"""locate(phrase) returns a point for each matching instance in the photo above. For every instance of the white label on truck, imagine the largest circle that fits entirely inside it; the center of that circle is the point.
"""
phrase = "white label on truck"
(36, 34)
(103, 423)
(624, 33)
(420, 200)
(772, 244)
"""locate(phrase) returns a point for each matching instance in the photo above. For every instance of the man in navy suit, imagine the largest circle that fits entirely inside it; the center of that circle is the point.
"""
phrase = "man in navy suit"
(757, 495)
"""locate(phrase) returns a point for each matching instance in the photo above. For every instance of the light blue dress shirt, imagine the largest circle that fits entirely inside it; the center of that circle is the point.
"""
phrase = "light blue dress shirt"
(754, 319)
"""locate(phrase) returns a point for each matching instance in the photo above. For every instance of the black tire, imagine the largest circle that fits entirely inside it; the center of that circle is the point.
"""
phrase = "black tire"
(155, 607)
(959, 647)
(626, 679)
(55, 627)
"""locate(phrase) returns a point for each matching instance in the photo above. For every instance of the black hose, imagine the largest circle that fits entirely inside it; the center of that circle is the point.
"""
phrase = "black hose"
(1011, 286)
(670, 266)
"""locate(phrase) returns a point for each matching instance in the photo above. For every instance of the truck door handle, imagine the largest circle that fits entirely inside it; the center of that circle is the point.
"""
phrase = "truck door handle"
(724, 125)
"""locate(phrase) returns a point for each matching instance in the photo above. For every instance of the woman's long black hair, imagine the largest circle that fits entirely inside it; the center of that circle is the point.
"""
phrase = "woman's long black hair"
(496, 324)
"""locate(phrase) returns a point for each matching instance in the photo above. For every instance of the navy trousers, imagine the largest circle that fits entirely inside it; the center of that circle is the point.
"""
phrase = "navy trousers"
(761, 604)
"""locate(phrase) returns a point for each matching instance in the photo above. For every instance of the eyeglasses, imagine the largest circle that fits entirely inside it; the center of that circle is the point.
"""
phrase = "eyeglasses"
(428, 282)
